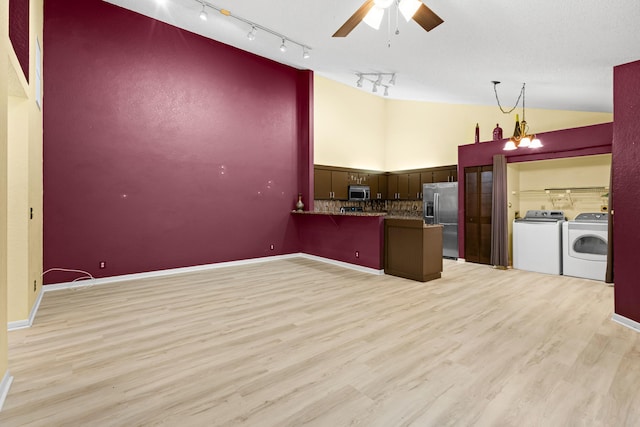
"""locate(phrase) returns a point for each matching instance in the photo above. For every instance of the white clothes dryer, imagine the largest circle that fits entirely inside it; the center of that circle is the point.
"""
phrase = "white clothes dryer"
(585, 245)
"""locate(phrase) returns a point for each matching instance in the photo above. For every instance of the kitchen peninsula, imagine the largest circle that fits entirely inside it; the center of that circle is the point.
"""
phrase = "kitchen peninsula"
(358, 238)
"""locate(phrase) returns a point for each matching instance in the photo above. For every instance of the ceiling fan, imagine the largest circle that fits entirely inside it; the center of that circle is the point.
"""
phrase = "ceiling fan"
(372, 12)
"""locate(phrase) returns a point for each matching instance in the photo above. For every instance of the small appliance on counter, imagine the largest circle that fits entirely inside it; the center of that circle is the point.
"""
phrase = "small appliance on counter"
(359, 193)
(350, 209)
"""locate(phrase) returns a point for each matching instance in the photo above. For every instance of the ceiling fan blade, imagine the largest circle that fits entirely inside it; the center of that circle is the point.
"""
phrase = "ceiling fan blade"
(354, 20)
(427, 18)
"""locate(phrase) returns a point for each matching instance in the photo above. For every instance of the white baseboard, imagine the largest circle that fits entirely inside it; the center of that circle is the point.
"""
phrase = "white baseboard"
(182, 270)
(161, 273)
(26, 323)
(5, 385)
(631, 324)
(343, 264)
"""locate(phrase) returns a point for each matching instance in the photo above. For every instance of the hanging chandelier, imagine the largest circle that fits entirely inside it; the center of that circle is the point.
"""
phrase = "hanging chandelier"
(521, 137)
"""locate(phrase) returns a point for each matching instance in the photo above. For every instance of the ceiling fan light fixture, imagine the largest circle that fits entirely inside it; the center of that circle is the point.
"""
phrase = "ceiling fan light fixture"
(383, 4)
(408, 8)
(374, 17)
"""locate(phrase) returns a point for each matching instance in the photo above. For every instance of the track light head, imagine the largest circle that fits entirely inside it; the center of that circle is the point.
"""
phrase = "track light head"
(386, 91)
(392, 82)
(283, 46)
(203, 14)
(305, 52)
(252, 34)
(375, 88)
(360, 79)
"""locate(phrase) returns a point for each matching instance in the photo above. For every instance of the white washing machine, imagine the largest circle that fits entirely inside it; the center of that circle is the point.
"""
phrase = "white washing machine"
(585, 245)
(537, 241)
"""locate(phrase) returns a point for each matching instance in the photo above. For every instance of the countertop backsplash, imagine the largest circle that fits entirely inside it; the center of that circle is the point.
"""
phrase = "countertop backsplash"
(400, 208)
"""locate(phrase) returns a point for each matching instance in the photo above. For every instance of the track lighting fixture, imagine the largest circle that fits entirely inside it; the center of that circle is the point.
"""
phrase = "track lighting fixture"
(377, 79)
(254, 27)
(252, 34)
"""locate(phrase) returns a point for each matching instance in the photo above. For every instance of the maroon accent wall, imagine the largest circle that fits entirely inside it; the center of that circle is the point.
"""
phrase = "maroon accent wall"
(19, 32)
(575, 142)
(164, 149)
(305, 114)
(338, 237)
(626, 189)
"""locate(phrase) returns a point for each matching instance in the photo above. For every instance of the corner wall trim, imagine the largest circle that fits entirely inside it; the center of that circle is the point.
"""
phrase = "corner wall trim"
(20, 324)
(5, 384)
(343, 264)
(631, 324)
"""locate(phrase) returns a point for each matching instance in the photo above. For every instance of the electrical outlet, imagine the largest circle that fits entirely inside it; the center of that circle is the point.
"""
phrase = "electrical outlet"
(357, 254)
(271, 246)
(103, 264)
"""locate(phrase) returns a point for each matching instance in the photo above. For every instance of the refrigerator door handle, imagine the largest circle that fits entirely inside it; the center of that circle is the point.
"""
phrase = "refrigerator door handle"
(436, 208)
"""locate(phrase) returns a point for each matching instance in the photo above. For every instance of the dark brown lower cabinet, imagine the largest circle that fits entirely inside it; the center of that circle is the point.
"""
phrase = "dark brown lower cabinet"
(412, 249)
(478, 192)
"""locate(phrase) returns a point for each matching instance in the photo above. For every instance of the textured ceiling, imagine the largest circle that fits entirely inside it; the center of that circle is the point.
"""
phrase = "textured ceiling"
(565, 51)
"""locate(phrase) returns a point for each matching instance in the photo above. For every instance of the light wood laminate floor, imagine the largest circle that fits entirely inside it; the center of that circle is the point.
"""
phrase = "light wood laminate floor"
(297, 342)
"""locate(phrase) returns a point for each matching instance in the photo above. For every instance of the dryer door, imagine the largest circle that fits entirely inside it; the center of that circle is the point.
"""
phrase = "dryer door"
(587, 244)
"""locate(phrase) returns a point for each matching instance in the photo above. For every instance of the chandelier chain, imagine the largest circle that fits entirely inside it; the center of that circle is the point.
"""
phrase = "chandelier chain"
(517, 101)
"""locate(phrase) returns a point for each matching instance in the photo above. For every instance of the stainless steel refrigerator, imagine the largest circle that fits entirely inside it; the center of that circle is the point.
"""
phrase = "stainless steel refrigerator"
(440, 203)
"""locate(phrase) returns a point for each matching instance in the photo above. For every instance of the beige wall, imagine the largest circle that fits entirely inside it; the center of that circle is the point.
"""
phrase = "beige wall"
(24, 180)
(35, 184)
(416, 134)
(349, 126)
(18, 208)
(513, 202)
(4, 78)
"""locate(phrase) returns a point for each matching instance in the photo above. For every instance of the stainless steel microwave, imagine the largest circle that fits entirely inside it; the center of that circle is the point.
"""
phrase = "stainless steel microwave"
(359, 192)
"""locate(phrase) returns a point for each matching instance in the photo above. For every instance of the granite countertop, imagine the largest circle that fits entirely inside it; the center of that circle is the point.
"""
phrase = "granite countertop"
(384, 214)
(340, 214)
